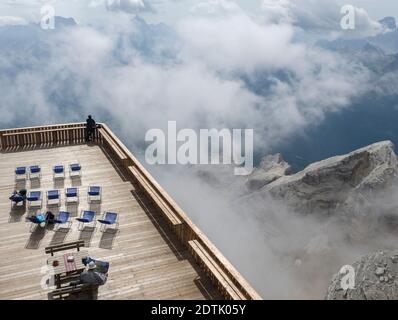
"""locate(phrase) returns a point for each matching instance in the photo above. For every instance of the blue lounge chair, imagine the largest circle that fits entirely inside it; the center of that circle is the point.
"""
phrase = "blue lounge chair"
(75, 169)
(36, 220)
(21, 173)
(94, 193)
(109, 218)
(63, 218)
(86, 217)
(72, 195)
(53, 197)
(34, 199)
(59, 172)
(34, 172)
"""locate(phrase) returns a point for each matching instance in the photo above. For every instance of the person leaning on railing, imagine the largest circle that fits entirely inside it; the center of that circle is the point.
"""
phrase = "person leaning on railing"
(90, 128)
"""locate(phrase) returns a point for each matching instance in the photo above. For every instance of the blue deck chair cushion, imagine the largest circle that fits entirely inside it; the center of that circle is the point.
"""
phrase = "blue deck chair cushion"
(34, 196)
(88, 216)
(20, 170)
(53, 194)
(110, 218)
(71, 192)
(63, 217)
(34, 169)
(94, 191)
(59, 169)
(75, 167)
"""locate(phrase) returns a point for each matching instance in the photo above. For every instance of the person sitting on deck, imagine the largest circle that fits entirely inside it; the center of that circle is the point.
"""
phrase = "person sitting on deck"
(18, 196)
(91, 279)
(91, 276)
(90, 127)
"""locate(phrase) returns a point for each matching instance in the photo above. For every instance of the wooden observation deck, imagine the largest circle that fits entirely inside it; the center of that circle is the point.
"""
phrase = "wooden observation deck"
(157, 253)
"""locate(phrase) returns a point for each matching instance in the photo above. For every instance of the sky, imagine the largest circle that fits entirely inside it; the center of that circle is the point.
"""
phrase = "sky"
(168, 11)
(376, 8)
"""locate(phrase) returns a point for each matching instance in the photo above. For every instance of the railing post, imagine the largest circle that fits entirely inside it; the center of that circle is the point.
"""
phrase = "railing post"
(2, 141)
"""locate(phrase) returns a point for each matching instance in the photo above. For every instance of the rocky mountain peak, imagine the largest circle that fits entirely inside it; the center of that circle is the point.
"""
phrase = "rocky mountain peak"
(272, 167)
(389, 23)
(326, 184)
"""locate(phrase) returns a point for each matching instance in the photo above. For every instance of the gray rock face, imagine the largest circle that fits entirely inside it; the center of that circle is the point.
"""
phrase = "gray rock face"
(389, 23)
(334, 182)
(272, 167)
(376, 278)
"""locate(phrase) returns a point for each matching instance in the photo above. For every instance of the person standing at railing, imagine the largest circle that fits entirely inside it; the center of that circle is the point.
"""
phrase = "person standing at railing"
(90, 128)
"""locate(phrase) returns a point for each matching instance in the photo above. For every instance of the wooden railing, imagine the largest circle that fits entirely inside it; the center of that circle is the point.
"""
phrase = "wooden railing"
(43, 136)
(227, 279)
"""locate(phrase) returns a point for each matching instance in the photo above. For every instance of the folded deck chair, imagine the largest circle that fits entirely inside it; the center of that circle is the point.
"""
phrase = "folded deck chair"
(34, 199)
(34, 172)
(86, 217)
(72, 195)
(21, 173)
(63, 218)
(94, 193)
(53, 197)
(75, 169)
(59, 172)
(109, 218)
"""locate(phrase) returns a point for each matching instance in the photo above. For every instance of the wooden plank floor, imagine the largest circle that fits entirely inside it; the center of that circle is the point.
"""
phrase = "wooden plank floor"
(147, 262)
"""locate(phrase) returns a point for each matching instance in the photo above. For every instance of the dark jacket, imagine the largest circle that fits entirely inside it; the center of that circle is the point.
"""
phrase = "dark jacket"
(90, 123)
(92, 277)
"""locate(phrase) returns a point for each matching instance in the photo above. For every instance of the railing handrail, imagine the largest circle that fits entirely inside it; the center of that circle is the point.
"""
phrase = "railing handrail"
(183, 216)
(194, 233)
(18, 133)
(73, 124)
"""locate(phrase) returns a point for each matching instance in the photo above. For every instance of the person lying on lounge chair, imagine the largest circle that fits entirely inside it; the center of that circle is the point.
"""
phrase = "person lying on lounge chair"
(48, 218)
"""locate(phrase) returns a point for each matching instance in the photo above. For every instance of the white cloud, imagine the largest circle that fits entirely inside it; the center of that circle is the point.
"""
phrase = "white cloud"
(322, 16)
(131, 6)
(12, 21)
(365, 25)
(215, 7)
(237, 43)
(203, 88)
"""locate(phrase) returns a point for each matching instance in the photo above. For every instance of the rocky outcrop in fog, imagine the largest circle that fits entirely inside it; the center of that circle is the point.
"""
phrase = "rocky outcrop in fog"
(350, 201)
(272, 167)
(336, 183)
